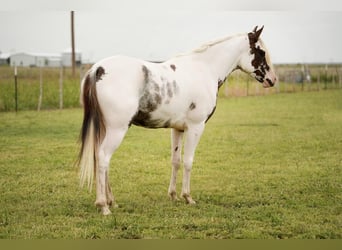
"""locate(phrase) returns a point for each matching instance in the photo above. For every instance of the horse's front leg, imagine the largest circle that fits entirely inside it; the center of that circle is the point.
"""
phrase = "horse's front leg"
(176, 149)
(193, 135)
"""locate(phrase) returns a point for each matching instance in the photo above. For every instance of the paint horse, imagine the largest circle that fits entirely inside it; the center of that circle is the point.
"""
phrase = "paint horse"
(180, 94)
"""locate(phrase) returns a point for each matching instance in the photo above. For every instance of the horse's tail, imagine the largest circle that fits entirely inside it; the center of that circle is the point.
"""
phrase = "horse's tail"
(93, 128)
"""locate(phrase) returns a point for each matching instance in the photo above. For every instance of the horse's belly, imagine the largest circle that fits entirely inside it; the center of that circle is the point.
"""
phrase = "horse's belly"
(159, 119)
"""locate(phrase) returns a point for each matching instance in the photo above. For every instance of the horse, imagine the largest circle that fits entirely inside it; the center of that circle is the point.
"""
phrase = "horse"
(180, 94)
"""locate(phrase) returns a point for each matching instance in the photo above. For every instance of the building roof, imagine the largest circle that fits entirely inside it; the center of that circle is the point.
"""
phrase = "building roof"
(68, 51)
(38, 54)
(5, 55)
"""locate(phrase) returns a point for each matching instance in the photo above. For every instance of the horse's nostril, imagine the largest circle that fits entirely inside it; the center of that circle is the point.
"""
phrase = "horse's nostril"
(270, 82)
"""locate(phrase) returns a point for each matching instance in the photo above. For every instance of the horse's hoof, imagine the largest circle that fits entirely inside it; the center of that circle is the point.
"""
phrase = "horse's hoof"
(106, 211)
(188, 199)
(191, 202)
(173, 196)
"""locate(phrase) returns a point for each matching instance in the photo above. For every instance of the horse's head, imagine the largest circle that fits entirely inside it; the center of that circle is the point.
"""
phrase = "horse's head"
(256, 60)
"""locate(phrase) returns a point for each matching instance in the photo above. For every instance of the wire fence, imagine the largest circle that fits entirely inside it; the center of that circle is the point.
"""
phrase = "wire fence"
(291, 78)
(55, 88)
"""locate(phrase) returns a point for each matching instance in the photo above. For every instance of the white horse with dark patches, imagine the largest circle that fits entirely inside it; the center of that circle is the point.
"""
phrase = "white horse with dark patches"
(180, 94)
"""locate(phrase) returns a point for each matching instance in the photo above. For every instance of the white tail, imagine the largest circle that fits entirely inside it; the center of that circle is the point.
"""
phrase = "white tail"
(87, 160)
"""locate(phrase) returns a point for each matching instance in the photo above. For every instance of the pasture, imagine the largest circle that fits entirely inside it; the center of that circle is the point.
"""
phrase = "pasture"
(266, 167)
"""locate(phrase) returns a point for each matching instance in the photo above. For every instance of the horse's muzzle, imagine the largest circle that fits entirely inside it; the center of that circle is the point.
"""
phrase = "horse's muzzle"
(269, 83)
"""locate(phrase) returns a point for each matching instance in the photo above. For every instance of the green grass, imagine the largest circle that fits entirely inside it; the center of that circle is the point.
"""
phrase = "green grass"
(266, 167)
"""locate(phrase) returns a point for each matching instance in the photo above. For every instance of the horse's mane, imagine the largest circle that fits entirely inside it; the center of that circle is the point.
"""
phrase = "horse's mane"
(268, 58)
(209, 44)
(204, 47)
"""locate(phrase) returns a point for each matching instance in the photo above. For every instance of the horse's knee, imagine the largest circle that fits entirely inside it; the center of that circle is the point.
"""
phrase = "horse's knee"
(188, 164)
(176, 163)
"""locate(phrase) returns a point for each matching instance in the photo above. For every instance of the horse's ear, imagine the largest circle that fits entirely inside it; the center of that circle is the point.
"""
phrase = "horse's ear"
(254, 35)
(258, 32)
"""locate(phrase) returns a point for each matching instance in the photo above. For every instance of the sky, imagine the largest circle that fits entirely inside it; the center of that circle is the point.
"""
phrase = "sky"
(294, 31)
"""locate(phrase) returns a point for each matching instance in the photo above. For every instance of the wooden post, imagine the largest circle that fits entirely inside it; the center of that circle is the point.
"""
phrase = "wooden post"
(303, 77)
(61, 87)
(247, 86)
(40, 89)
(15, 88)
(319, 80)
(326, 77)
(340, 78)
(257, 92)
(73, 63)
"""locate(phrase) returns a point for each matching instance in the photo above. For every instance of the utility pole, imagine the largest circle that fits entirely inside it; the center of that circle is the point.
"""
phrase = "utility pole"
(73, 64)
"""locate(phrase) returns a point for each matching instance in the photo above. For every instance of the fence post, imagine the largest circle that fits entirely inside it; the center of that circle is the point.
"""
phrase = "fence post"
(326, 77)
(303, 77)
(340, 78)
(319, 80)
(61, 87)
(40, 89)
(16, 88)
(247, 85)
(257, 89)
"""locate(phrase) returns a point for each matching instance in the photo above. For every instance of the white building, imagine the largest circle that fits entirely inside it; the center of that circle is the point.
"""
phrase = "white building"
(66, 57)
(35, 60)
(5, 58)
(43, 59)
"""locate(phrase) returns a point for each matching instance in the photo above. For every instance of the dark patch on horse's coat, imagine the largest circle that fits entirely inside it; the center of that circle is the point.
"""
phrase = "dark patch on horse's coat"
(167, 124)
(99, 73)
(259, 62)
(144, 119)
(192, 106)
(146, 73)
(173, 67)
(151, 98)
(156, 87)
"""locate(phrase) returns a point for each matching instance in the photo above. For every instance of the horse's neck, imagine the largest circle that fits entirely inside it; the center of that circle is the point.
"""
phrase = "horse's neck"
(222, 58)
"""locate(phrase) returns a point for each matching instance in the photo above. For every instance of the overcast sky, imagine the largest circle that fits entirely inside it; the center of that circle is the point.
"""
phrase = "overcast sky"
(307, 31)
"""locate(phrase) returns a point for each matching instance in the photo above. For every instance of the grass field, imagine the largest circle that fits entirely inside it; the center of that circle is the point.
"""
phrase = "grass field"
(266, 167)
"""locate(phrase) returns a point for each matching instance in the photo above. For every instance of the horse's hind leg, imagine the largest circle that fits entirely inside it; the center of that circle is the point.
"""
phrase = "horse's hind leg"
(176, 149)
(109, 194)
(112, 140)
